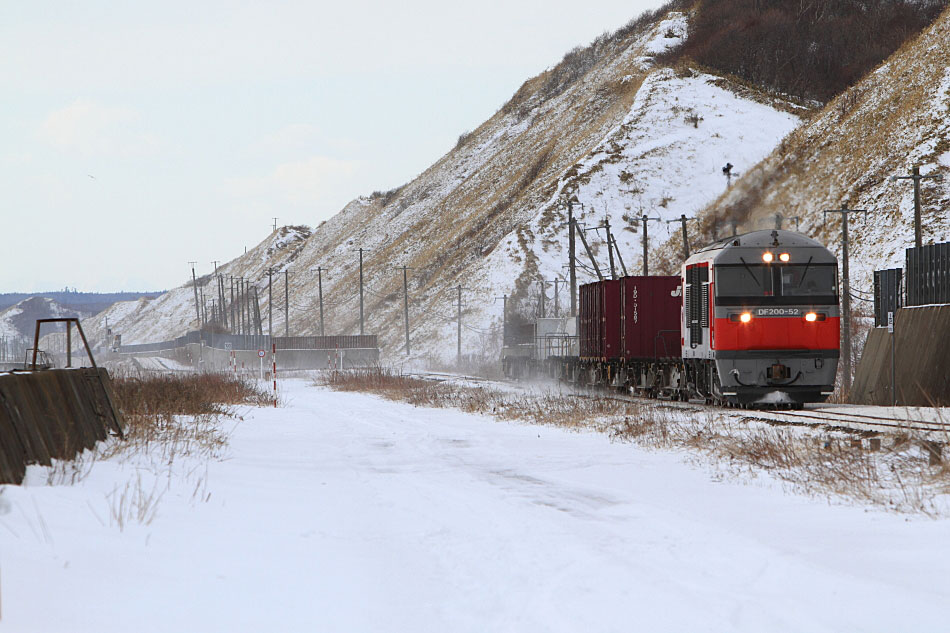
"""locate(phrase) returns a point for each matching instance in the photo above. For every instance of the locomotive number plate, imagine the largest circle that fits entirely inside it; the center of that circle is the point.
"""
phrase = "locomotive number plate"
(779, 312)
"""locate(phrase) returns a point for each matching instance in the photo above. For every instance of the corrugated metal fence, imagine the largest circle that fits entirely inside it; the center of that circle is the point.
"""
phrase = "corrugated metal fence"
(928, 274)
(887, 294)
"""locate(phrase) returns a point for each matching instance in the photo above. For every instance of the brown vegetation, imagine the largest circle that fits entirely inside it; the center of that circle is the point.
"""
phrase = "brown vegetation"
(179, 414)
(807, 48)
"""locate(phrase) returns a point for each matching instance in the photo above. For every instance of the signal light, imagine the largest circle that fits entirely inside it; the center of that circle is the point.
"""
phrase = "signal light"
(767, 257)
(811, 316)
(745, 317)
(784, 257)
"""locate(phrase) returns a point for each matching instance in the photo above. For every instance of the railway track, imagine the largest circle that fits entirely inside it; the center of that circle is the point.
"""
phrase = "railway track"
(819, 416)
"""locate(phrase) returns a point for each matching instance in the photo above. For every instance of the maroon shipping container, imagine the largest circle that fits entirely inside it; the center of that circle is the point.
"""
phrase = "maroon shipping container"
(651, 318)
(600, 323)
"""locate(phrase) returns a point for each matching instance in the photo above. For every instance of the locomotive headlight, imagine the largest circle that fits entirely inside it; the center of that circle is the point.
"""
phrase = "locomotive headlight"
(767, 257)
(745, 317)
(784, 257)
(811, 317)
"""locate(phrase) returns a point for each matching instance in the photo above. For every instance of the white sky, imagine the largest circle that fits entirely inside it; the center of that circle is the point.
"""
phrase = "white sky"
(135, 137)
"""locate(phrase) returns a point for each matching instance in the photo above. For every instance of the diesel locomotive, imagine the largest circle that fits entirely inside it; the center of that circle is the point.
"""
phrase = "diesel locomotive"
(751, 320)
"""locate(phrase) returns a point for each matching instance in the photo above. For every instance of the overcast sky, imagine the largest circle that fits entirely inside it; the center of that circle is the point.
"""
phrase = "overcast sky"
(135, 137)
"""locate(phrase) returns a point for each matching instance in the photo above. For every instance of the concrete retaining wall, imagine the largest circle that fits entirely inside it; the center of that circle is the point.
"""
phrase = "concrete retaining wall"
(53, 414)
(921, 360)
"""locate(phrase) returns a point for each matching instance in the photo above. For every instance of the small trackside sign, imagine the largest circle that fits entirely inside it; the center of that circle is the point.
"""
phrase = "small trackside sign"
(260, 353)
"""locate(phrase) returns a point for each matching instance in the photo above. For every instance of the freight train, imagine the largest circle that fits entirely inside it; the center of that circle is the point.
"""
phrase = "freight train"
(751, 320)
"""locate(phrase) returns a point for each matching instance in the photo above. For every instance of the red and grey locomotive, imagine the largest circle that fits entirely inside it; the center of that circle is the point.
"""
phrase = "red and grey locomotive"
(760, 320)
(751, 320)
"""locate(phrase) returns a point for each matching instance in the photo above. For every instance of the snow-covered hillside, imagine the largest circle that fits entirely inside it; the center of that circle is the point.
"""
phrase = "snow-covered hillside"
(19, 320)
(607, 126)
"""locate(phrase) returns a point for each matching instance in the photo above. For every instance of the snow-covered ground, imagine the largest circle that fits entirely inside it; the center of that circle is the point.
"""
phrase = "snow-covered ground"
(345, 512)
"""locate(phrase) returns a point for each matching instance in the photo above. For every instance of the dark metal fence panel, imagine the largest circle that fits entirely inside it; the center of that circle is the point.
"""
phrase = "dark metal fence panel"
(887, 294)
(367, 341)
(928, 274)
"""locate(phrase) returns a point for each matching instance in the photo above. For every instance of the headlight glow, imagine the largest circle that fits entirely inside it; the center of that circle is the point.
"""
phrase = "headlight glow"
(745, 317)
(767, 257)
(784, 257)
(811, 316)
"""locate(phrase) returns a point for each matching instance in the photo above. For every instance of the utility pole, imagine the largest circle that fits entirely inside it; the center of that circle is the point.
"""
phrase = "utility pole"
(459, 352)
(194, 284)
(541, 298)
(275, 224)
(573, 258)
(231, 279)
(571, 250)
(270, 301)
(611, 247)
(916, 177)
(504, 319)
(405, 302)
(361, 291)
(245, 308)
(286, 302)
(613, 240)
(320, 272)
(257, 313)
(215, 317)
(646, 244)
(239, 307)
(682, 220)
(557, 307)
(610, 250)
(846, 290)
(222, 314)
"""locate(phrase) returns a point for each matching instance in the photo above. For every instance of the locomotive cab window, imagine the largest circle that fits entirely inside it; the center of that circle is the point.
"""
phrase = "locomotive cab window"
(771, 284)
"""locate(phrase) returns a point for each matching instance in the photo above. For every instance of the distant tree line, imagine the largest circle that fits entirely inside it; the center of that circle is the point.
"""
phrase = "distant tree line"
(812, 49)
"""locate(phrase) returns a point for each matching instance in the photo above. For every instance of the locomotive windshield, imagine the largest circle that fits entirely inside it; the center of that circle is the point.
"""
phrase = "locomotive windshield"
(784, 284)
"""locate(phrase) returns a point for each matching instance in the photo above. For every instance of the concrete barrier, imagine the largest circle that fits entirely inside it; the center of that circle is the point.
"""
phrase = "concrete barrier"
(54, 414)
(921, 360)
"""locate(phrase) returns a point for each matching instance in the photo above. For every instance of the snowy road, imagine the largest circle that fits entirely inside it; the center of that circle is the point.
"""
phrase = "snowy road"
(344, 512)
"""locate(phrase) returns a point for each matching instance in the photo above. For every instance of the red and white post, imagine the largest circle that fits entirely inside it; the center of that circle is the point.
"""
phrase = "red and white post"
(274, 359)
